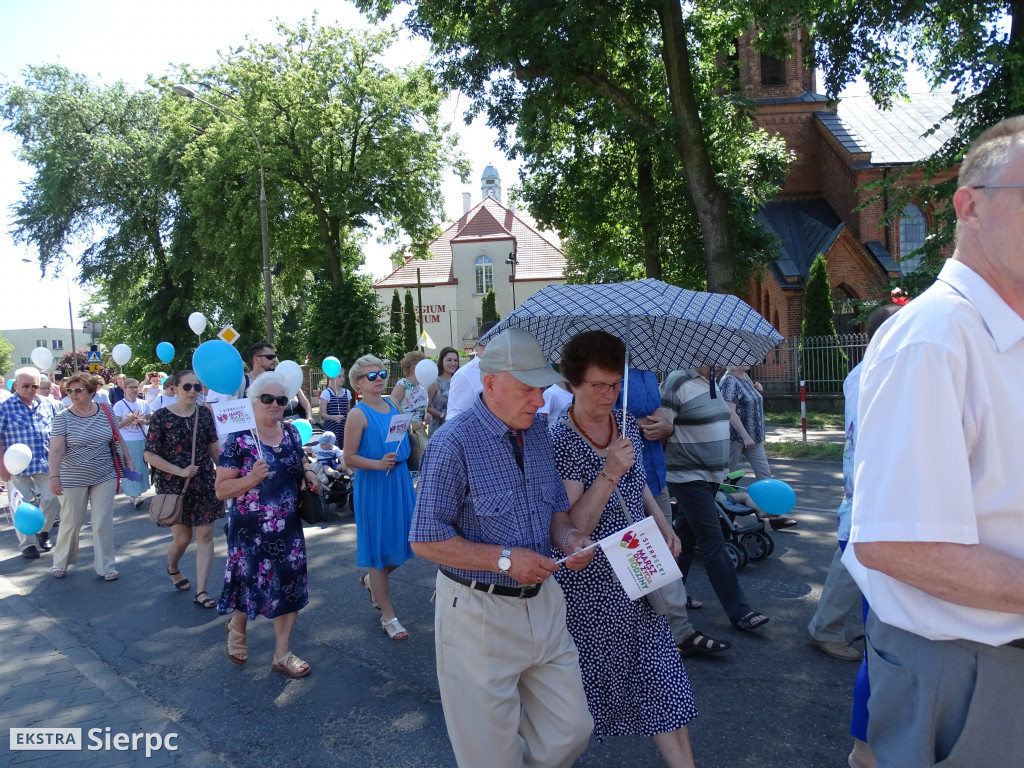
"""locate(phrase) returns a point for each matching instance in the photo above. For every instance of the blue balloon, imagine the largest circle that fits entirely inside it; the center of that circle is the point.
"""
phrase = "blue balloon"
(28, 519)
(331, 367)
(165, 351)
(305, 430)
(773, 496)
(219, 366)
(10, 383)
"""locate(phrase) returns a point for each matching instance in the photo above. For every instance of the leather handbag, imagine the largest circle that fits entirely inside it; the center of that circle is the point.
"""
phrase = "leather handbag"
(165, 508)
(312, 509)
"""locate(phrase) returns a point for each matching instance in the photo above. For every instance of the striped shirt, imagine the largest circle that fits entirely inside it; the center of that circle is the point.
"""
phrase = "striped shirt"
(87, 460)
(471, 486)
(30, 426)
(698, 448)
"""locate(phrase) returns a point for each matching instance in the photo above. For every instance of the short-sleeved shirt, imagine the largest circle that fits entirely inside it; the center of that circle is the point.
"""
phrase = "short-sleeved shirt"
(749, 404)
(30, 426)
(938, 447)
(698, 448)
(87, 460)
(122, 408)
(471, 486)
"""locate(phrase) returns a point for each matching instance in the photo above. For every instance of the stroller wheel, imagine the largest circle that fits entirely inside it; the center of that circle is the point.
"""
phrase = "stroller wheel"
(736, 554)
(768, 540)
(756, 545)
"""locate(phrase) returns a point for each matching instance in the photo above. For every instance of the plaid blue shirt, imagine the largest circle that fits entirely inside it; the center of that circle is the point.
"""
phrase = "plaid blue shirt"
(21, 424)
(471, 486)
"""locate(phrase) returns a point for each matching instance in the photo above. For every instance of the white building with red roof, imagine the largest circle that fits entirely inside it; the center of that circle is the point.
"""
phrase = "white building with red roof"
(490, 246)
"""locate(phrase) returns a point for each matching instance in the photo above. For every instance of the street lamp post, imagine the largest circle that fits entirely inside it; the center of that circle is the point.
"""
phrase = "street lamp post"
(189, 93)
(513, 260)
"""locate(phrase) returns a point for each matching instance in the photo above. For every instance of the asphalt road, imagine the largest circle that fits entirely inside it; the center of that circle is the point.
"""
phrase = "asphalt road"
(136, 654)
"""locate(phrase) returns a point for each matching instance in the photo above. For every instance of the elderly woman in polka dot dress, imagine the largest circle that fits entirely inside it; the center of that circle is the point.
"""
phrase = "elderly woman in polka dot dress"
(632, 673)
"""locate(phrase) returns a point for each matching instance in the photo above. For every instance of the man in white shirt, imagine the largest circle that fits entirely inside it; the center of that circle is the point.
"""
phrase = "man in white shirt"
(466, 384)
(938, 506)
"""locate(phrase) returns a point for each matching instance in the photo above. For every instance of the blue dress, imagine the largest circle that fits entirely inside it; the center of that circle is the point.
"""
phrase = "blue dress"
(633, 677)
(383, 503)
(266, 568)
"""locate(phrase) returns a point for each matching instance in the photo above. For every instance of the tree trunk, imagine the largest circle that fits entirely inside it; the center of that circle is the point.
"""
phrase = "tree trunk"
(709, 198)
(648, 213)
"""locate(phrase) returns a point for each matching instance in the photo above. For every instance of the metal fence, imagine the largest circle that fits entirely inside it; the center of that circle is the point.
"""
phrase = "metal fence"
(813, 359)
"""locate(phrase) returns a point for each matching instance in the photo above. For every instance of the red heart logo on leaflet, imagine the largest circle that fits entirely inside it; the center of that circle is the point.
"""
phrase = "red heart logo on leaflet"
(629, 541)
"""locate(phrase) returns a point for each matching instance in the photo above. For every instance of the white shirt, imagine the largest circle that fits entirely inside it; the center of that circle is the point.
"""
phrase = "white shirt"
(938, 447)
(465, 388)
(556, 400)
(121, 410)
(162, 401)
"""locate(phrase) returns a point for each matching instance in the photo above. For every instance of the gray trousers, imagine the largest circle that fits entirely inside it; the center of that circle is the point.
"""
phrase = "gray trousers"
(670, 600)
(954, 703)
(49, 505)
(839, 596)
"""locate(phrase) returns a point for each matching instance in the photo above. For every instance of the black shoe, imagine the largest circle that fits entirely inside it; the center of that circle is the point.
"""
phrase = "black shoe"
(43, 540)
(30, 553)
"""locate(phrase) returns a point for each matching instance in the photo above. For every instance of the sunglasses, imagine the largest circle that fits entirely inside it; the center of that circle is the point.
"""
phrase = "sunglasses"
(382, 375)
(269, 357)
(190, 386)
(76, 391)
(279, 399)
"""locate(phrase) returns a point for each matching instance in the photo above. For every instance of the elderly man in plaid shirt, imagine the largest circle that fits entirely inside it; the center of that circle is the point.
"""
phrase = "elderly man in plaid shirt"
(490, 508)
(26, 419)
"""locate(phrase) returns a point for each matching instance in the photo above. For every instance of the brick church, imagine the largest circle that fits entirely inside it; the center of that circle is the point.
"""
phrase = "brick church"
(823, 206)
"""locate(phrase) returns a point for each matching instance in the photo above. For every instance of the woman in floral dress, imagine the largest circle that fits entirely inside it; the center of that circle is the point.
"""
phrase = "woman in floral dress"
(266, 568)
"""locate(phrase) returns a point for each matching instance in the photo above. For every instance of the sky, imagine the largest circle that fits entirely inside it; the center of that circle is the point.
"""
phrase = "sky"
(110, 40)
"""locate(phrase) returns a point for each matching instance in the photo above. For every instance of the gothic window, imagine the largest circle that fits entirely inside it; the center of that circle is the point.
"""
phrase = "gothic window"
(484, 274)
(913, 230)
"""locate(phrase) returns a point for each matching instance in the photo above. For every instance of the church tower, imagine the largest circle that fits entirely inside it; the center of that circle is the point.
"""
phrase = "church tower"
(490, 183)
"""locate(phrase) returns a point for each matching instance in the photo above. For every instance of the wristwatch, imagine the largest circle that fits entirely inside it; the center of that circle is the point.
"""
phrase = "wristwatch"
(505, 561)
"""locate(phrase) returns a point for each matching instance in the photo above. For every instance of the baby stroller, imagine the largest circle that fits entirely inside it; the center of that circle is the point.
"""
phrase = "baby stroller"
(335, 487)
(746, 536)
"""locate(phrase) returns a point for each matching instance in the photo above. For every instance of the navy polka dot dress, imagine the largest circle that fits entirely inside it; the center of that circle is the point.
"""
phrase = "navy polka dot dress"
(632, 674)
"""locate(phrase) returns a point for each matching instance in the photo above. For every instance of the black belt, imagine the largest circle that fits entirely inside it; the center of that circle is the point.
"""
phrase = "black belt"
(494, 589)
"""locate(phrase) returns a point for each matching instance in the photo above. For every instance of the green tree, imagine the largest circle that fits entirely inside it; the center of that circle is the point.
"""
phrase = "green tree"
(6, 348)
(640, 58)
(410, 324)
(825, 367)
(488, 308)
(397, 336)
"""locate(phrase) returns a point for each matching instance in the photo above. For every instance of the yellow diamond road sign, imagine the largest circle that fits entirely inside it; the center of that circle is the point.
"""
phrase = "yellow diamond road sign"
(228, 334)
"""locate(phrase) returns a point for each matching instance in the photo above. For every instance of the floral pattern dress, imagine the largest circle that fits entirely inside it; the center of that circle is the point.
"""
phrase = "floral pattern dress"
(170, 438)
(265, 573)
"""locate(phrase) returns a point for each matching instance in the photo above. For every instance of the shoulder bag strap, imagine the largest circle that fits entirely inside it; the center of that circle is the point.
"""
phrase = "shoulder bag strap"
(195, 428)
(115, 438)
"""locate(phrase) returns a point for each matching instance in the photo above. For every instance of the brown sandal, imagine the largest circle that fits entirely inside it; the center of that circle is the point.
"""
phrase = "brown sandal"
(238, 652)
(291, 665)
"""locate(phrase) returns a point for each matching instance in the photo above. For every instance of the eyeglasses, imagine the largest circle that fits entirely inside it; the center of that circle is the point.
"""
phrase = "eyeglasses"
(376, 375)
(29, 386)
(269, 357)
(279, 399)
(997, 186)
(602, 388)
(76, 391)
(190, 386)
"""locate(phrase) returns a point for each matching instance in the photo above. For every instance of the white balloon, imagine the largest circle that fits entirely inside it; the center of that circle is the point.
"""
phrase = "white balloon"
(42, 358)
(197, 322)
(292, 376)
(121, 353)
(17, 458)
(426, 372)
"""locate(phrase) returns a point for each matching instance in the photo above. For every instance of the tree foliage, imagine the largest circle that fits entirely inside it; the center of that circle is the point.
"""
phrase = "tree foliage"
(488, 308)
(6, 364)
(818, 321)
(66, 364)
(410, 324)
(629, 79)
(156, 197)
(397, 336)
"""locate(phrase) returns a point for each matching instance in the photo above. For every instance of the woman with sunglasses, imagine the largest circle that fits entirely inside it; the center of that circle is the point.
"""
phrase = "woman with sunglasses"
(82, 474)
(382, 492)
(169, 452)
(266, 567)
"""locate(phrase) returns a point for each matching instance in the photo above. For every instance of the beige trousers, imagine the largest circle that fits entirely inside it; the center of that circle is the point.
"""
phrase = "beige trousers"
(72, 517)
(510, 680)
